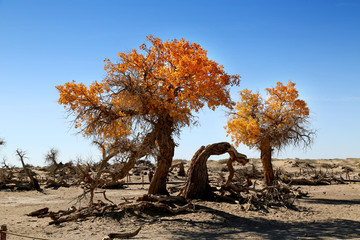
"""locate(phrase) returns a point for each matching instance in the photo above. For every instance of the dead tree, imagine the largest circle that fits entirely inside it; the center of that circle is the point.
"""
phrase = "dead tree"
(197, 184)
(33, 182)
(51, 158)
(93, 181)
(181, 171)
(6, 172)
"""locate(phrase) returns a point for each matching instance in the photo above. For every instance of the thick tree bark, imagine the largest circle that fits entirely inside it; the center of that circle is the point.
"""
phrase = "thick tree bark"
(164, 159)
(197, 184)
(166, 144)
(266, 151)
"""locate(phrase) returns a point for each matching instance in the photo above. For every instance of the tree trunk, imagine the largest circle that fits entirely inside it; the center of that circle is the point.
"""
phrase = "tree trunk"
(181, 171)
(266, 151)
(197, 184)
(166, 144)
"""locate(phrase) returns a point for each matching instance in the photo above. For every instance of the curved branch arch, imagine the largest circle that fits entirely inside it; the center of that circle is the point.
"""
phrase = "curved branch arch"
(197, 184)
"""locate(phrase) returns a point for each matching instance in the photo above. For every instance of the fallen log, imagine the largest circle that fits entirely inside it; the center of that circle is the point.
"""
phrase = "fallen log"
(113, 185)
(76, 216)
(162, 198)
(160, 206)
(54, 184)
(304, 181)
(39, 212)
(122, 235)
(101, 209)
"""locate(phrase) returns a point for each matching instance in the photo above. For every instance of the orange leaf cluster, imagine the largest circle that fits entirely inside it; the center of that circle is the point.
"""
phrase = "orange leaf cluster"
(172, 78)
(279, 119)
(177, 74)
(90, 109)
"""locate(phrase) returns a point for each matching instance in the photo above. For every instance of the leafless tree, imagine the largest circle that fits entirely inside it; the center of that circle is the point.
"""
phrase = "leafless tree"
(52, 156)
(22, 155)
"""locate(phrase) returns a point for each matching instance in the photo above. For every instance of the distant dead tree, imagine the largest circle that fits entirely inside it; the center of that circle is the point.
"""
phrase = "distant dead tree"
(271, 123)
(181, 171)
(6, 173)
(22, 155)
(51, 159)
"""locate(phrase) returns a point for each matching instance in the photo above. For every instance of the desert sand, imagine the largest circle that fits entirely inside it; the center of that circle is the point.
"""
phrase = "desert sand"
(329, 212)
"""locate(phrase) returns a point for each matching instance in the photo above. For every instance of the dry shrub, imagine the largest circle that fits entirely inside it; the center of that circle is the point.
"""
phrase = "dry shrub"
(277, 196)
(250, 171)
(244, 192)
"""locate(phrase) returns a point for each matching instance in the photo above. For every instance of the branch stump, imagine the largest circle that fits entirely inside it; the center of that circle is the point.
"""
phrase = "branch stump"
(3, 232)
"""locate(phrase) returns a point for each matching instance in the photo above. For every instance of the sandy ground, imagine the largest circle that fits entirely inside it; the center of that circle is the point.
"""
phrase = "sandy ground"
(333, 212)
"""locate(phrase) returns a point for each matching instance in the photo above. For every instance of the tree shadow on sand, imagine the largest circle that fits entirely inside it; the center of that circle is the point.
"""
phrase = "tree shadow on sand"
(235, 227)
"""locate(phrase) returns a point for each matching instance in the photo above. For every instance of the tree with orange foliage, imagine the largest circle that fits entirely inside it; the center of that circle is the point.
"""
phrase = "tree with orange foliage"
(146, 98)
(271, 123)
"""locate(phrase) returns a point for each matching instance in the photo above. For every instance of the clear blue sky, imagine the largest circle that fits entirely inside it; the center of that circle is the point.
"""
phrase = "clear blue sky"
(45, 43)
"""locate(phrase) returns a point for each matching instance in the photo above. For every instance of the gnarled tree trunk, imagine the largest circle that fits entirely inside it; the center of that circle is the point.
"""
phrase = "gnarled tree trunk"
(197, 184)
(266, 151)
(166, 144)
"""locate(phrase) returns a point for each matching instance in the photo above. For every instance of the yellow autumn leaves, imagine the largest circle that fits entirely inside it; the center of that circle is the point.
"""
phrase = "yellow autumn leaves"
(174, 78)
(178, 73)
(256, 118)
